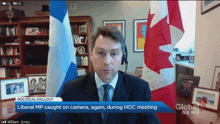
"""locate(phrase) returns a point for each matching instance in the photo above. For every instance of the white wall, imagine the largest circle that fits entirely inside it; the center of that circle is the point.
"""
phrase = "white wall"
(104, 10)
(207, 45)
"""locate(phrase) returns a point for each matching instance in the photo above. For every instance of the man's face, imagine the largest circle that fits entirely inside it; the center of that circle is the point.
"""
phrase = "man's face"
(106, 58)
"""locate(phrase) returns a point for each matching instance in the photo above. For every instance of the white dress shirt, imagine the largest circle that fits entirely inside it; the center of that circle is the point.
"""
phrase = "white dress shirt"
(100, 83)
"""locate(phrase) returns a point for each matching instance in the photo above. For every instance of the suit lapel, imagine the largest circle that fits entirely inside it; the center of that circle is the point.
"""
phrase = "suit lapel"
(121, 93)
(89, 88)
(91, 93)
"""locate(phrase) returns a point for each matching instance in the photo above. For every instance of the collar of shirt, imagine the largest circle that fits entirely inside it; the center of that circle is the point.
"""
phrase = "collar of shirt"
(100, 83)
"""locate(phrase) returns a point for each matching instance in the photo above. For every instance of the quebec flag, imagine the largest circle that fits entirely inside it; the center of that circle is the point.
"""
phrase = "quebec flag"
(61, 66)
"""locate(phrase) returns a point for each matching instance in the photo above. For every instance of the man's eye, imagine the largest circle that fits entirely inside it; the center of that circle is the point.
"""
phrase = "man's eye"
(113, 54)
(100, 53)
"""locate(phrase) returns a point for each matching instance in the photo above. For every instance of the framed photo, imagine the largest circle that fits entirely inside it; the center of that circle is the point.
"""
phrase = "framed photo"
(32, 31)
(11, 88)
(185, 84)
(37, 83)
(208, 5)
(216, 78)
(140, 29)
(191, 59)
(178, 57)
(206, 98)
(119, 24)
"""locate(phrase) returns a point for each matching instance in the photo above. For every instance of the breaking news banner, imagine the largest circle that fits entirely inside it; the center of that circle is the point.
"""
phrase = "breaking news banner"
(56, 105)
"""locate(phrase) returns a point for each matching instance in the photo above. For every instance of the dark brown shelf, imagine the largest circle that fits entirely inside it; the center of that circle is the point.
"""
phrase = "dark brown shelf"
(85, 54)
(43, 35)
(7, 36)
(4, 45)
(9, 65)
(82, 34)
(82, 66)
(80, 44)
(9, 55)
(6, 24)
(36, 45)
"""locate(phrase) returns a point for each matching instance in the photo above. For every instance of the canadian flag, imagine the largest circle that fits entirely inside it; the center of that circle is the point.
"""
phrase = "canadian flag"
(164, 30)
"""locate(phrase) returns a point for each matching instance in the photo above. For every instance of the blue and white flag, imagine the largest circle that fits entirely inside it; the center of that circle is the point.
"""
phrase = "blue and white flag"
(61, 66)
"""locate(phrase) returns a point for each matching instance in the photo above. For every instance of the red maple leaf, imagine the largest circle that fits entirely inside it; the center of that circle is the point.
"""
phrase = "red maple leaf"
(157, 36)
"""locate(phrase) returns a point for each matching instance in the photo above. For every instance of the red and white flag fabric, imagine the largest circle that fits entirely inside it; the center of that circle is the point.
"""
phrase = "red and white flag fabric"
(164, 30)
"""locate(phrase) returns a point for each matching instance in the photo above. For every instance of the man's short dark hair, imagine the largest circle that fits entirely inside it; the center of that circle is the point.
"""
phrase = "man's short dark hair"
(111, 32)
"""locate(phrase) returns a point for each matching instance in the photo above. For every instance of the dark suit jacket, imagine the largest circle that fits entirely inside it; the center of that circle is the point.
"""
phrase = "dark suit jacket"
(128, 88)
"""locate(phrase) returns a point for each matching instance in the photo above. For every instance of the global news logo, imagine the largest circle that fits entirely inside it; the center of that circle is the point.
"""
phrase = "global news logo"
(189, 109)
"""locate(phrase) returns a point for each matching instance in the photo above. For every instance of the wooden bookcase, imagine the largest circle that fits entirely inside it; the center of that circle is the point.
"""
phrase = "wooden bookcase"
(33, 48)
(9, 50)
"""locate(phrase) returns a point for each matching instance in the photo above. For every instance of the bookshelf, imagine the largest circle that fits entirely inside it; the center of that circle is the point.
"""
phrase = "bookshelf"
(9, 50)
(81, 27)
(31, 42)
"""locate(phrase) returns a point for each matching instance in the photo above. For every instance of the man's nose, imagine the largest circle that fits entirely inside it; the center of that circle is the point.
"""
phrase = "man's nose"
(107, 59)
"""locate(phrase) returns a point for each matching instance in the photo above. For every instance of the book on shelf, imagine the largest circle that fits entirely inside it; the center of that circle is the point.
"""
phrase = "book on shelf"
(86, 40)
(4, 61)
(15, 51)
(82, 60)
(8, 31)
(9, 61)
(75, 48)
(2, 51)
(2, 72)
(74, 28)
(9, 50)
(16, 61)
(43, 31)
(9, 73)
(2, 31)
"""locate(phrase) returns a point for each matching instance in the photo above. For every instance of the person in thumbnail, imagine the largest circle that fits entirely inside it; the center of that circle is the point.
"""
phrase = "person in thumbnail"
(107, 50)
(18, 88)
(42, 84)
(33, 85)
(12, 88)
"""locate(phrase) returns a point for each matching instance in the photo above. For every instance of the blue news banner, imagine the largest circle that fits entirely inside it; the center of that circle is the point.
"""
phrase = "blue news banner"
(92, 107)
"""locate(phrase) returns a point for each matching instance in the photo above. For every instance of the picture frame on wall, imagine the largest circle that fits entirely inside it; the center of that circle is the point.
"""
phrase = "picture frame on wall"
(208, 5)
(206, 98)
(140, 28)
(191, 59)
(216, 78)
(118, 24)
(37, 83)
(12, 88)
(185, 84)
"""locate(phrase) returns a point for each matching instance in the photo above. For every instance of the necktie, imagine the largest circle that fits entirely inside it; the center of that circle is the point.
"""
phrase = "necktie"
(106, 97)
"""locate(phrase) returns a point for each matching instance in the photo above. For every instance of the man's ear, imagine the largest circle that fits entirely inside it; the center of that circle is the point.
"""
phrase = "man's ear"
(91, 54)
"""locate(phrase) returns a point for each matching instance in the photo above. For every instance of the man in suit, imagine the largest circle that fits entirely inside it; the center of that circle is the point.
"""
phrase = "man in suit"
(108, 52)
